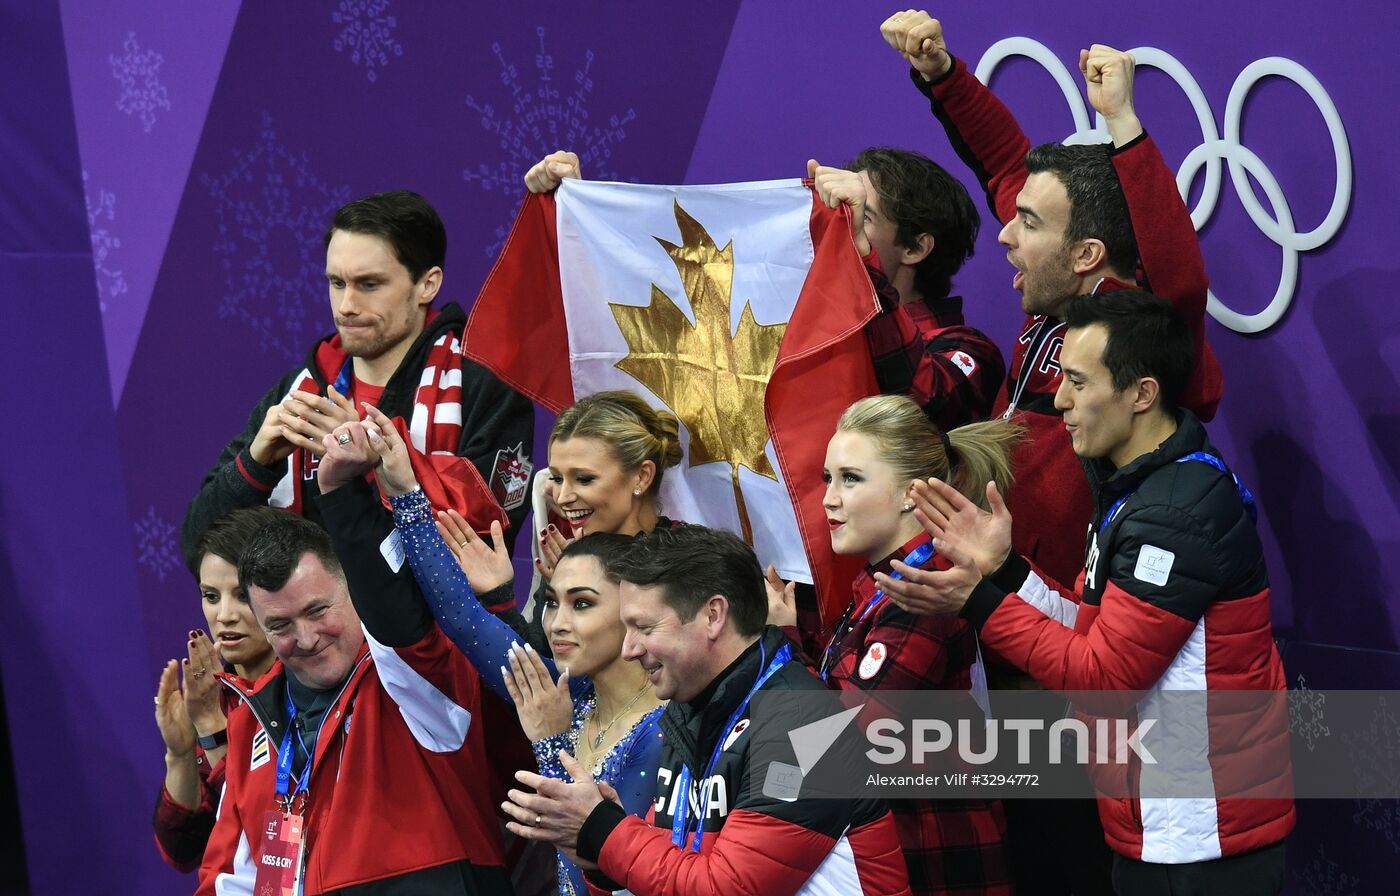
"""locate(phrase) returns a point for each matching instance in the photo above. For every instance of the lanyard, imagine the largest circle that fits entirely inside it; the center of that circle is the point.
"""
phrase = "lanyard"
(916, 558)
(680, 813)
(285, 755)
(1245, 494)
(1038, 341)
(344, 381)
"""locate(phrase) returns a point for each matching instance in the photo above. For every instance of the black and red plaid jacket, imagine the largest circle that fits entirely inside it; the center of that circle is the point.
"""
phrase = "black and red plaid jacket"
(952, 847)
(927, 351)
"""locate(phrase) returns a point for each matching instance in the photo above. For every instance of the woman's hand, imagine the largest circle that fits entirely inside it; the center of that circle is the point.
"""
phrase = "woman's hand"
(395, 470)
(782, 599)
(201, 692)
(552, 544)
(487, 567)
(544, 705)
(171, 718)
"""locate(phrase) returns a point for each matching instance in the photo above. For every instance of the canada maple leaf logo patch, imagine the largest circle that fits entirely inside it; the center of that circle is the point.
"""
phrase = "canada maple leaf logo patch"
(872, 661)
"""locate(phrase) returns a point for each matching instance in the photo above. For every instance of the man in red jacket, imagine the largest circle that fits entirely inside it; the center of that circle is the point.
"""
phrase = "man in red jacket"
(356, 763)
(469, 433)
(1078, 220)
(695, 610)
(1173, 601)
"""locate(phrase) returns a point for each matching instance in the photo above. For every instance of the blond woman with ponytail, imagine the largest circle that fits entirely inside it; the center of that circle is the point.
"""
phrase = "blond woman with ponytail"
(882, 446)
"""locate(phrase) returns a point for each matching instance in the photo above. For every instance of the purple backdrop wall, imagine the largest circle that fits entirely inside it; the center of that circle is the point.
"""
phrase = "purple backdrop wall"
(173, 168)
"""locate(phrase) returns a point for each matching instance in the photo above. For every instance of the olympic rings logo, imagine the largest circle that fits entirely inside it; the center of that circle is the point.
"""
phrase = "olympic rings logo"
(1242, 162)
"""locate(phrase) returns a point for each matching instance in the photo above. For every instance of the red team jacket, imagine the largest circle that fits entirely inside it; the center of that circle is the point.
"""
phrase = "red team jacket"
(926, 350)
(753, 842)
(396, 782)
(1174, 601)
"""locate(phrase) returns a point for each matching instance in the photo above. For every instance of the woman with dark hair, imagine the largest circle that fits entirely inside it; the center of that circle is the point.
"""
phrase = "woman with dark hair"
(195, 694)
(600, 708)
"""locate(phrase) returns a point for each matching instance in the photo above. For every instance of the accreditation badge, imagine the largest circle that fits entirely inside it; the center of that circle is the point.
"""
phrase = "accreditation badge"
(280, 855)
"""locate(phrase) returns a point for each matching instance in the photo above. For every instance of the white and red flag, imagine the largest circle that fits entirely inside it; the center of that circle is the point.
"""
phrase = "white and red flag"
(738, 307)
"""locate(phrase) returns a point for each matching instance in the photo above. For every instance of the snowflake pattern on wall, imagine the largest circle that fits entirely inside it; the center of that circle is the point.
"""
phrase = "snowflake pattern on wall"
(537, 119)
(137, 71)
(367, 33)
(1375, 755)
(1324, 877)
(1305, 713)
(157, 548)
(272, 212)
(101, 212)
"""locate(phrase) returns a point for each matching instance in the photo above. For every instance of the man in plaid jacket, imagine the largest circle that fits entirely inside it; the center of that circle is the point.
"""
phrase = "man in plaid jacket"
(914, 225)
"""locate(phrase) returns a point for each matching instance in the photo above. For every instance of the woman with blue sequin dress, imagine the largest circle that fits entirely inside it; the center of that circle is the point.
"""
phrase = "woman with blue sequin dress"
(587, 699)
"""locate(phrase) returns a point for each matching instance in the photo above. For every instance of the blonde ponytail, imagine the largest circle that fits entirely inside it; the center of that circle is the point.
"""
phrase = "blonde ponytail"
(982, 452)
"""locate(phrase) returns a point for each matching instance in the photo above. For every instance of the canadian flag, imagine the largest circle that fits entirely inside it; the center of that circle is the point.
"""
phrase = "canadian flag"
(738, 307)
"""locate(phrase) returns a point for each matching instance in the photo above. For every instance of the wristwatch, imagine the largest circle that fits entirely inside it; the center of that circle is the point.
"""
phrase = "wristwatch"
(213, 741)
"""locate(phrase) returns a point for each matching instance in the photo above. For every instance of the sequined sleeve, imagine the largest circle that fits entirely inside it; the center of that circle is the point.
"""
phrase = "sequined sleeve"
(547, 754)
(479, 634)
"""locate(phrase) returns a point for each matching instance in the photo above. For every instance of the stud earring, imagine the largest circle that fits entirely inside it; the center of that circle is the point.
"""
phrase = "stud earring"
(908, 507)
(637, 492)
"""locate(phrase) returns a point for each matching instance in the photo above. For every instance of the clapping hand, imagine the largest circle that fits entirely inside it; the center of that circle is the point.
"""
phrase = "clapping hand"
(201, 685)
(395, 470)
(171, 718)
(556, 811)
(972, 540)
(307, 418)
(947, 515)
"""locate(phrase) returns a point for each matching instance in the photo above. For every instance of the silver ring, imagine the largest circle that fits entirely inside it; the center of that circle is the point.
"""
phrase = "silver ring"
(537, 821)
(343, 438)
